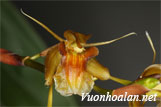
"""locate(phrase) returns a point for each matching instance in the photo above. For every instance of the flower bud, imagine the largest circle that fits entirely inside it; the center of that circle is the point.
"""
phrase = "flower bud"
(10, 58)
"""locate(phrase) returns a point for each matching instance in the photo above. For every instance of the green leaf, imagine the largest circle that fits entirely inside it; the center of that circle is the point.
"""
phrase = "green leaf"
(22, 86)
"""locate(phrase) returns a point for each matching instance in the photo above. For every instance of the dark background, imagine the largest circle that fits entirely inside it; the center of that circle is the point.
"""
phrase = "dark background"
(105, 20)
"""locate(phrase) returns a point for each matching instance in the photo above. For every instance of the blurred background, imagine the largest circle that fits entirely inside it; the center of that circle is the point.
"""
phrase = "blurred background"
(104, 20)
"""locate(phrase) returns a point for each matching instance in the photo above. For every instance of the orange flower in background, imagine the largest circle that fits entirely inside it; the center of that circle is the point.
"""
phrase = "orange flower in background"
(147, 84)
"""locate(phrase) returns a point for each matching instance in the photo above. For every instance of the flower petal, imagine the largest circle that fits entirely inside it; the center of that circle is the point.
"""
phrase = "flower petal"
(151, 70)
(97, 70)
(75, 85)
(153, 92)
(52, 60)
(133, 89)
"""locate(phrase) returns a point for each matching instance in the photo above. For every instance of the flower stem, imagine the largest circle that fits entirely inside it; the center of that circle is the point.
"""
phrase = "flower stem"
(122, 81)
(102, 90)
(35, 56)
(50, 96)
(33, 64)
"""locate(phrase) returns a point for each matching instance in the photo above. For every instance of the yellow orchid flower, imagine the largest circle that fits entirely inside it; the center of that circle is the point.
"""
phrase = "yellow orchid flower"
(71, 65)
